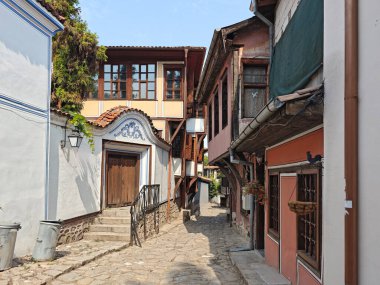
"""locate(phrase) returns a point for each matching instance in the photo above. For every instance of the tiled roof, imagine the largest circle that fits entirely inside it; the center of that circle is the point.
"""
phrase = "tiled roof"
(50, 8)
(108, 117)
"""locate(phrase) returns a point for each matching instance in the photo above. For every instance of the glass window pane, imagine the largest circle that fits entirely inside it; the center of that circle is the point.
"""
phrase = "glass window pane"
(123, 76)
(177, 74)
(114, 86)
(135, 95)
(177, 94)
(143, 91)
(115, 68)
(123, 85)
(135, 77)
(169, 74)
(107, 68)
(177, 84)
(151, 76)
(123, 94)
(169, 94)
(169, 84)
(115, 76)
(123, 68)
(107, 76)
(151, 67)
(114, 94)
(135, 86)
(143, 68)
(107, 86)
(135, 68)
(143, 76)
(107, 94)
(151, 86)
(151, 94)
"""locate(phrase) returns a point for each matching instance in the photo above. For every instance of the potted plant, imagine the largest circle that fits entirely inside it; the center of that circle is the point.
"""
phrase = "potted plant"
(256, 189)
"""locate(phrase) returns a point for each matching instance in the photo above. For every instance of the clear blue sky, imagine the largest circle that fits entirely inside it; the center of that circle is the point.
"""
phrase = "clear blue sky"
(161, 22)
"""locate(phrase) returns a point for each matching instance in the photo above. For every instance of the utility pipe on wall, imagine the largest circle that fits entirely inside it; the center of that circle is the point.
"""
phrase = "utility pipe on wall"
(270, 25)
(351, 129)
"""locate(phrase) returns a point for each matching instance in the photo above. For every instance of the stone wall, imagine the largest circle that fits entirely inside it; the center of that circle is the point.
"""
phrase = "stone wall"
(158, 218)
(73, 230)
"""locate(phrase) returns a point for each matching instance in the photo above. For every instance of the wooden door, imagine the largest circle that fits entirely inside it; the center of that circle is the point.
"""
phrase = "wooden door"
(122, 179)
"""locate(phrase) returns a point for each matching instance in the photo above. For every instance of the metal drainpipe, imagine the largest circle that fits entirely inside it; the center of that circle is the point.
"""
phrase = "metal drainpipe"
(251, 202)
(351, 137)
(271, 29)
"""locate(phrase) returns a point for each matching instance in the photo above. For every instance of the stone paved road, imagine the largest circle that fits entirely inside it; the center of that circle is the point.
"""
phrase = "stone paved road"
(190, 253)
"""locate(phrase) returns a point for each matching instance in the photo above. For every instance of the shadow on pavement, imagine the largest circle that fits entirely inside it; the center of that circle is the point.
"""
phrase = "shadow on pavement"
(213, 226)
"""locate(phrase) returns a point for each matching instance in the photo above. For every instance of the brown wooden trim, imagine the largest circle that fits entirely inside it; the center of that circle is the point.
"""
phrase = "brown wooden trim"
(128, 80)
(255, 61)
(177, 130)
(173, 67)
(314, 263)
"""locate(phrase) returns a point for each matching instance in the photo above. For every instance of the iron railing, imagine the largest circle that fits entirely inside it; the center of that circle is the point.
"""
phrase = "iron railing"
(146, 201)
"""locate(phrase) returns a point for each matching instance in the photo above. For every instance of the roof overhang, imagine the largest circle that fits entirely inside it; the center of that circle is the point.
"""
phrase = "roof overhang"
(282, 118)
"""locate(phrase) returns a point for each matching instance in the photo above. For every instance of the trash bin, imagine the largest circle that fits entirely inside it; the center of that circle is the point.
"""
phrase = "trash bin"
(8, 234)
(46, 240)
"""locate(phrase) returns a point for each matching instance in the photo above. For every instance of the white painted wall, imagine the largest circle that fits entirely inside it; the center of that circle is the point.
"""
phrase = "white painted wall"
(25, 55)
(369, 138)
(333, 174)
(284, 12)
(161, 174)
(75, 175)
(24, 58)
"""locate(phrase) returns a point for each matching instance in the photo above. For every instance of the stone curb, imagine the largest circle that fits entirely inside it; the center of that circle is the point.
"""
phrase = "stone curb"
(242, 276)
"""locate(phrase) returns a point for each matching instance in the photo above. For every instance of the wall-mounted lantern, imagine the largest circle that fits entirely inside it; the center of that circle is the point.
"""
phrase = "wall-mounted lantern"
(75, 138)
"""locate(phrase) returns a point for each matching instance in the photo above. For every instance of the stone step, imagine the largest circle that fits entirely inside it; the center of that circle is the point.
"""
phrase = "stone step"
(110, 228)
(102, 236)
(117, 212)
(112, 220)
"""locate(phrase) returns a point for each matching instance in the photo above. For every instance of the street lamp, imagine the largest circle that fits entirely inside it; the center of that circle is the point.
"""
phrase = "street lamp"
(75, 138)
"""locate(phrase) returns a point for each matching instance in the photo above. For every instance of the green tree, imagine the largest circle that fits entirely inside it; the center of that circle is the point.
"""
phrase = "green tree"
(214, 188)
(75, 57)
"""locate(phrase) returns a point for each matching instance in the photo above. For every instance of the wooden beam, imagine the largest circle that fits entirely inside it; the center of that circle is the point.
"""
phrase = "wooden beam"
(191, 183)
(177, 130)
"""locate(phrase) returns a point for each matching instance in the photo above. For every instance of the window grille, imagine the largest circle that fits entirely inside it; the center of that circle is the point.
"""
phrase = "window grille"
(309, 226)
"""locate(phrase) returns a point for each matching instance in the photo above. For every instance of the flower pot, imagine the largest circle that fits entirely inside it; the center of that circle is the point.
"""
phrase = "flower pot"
(302, 208)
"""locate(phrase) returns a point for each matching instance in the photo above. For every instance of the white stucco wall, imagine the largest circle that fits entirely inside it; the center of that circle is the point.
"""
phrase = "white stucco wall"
(369, 138)
(25, 55)
(333, 174)
(75, 175)
(161, 172)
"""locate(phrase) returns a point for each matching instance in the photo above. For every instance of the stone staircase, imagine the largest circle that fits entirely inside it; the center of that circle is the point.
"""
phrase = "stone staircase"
(114, 224)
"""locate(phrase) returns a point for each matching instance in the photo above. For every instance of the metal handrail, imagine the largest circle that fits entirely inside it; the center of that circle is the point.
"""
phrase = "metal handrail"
(146, 200)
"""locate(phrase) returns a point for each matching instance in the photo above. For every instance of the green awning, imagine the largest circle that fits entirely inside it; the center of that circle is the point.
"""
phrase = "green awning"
(299, 52)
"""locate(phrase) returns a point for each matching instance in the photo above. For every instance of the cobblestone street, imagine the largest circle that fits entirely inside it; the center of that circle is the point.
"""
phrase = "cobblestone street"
(190, 253)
